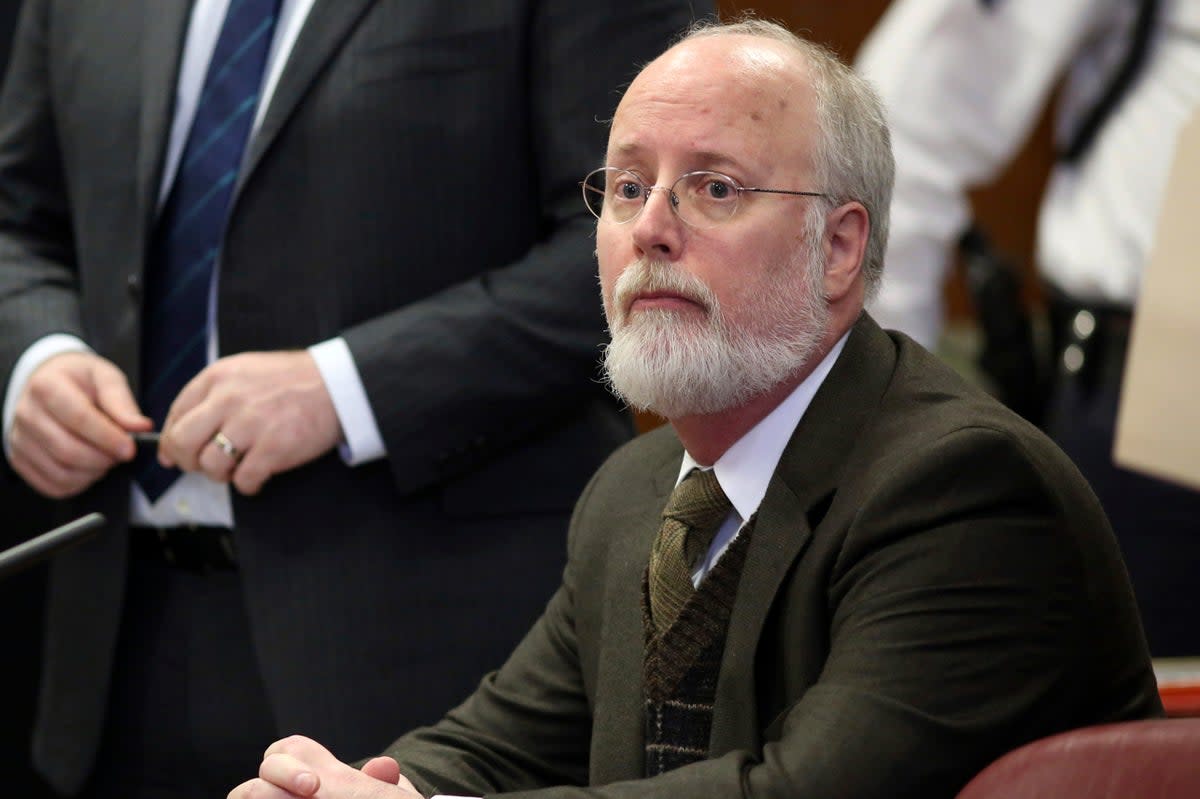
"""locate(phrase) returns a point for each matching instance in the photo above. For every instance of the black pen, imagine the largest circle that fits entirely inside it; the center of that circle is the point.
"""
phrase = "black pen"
(150, 437)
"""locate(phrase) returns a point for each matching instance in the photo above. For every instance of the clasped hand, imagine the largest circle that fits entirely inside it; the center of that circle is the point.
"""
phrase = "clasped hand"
(299, 768)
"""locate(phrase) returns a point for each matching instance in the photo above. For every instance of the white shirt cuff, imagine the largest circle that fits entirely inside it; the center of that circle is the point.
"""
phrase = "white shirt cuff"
(335, 363)
(38, 353)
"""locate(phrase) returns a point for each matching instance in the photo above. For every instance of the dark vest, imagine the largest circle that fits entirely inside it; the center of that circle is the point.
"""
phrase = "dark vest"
(681, 666)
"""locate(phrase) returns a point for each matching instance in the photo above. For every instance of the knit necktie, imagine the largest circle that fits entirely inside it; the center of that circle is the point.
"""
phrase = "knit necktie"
(690, 521)
(187, 238)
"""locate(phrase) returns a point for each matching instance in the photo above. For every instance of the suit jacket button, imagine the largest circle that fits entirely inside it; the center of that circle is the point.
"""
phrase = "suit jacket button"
(133, 283)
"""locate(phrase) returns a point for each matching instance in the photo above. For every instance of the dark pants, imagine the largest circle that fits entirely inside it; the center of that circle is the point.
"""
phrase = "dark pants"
(22, 598)
(1157, 523)
(188, 715)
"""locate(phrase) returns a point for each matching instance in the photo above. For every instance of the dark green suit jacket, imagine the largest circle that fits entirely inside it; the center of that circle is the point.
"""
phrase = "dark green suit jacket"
(930, 584)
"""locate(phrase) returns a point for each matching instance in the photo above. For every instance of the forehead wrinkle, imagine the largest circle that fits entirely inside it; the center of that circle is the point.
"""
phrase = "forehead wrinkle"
(644, 113)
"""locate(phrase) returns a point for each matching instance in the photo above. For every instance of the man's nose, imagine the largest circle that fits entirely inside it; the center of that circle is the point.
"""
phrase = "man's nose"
(658, 230)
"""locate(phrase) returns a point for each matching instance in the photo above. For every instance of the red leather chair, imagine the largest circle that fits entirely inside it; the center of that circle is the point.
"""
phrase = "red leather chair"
(1157, 759)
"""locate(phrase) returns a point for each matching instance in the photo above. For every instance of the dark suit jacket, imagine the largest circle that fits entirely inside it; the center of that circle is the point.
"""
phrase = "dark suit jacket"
(930, 583)
(413, 188)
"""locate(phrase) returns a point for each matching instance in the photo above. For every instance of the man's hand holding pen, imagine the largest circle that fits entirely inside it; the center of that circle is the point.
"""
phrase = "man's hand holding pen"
(71, 424)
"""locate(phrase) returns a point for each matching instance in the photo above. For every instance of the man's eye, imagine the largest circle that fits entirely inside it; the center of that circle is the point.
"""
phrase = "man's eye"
(717, 189)
(629, 190)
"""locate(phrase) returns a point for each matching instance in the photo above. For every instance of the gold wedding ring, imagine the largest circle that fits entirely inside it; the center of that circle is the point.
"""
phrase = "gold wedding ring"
(226, 446)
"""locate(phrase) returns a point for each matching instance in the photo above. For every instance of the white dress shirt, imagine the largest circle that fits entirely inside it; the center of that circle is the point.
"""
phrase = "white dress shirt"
(194, 499)
(964, 83)
(745, 470)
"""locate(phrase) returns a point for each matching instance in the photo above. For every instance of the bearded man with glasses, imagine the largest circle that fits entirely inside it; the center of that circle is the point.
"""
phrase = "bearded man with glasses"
(840, 571)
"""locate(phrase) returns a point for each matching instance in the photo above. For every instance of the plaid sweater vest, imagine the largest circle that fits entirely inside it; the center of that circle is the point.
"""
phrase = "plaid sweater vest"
(681, 666)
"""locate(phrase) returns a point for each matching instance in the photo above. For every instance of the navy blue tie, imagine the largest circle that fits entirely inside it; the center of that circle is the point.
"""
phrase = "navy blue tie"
(187, 238)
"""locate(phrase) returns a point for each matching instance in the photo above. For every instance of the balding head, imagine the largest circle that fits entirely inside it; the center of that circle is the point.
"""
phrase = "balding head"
(757, 89)
(731, 249)
(852, 153)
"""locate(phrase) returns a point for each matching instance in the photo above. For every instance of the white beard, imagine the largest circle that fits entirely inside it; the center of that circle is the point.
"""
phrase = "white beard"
(675, 365)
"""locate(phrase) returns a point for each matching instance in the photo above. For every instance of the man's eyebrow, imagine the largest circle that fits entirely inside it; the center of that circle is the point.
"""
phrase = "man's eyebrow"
(699, 160)
(717, 161)
(627, 150)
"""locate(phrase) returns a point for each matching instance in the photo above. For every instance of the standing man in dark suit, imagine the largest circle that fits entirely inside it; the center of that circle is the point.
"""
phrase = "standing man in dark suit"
(22, 596)
(332, 251)
(844, 572)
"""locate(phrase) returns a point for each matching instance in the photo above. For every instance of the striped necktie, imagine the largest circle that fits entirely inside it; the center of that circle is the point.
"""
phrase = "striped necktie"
(690, 521)
(187, 239)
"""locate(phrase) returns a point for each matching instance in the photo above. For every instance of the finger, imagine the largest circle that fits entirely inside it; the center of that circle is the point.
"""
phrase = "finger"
(73, 409)
(193, 394)
(185, 439)
(114, 397)
(274, 449)
(52, 460)
(300, 747)
(317, 758)
(49, 479)
(290, 773)
(40, 434)
(36, 480)
(67, 476)
(406, 784)
(255, 469)
(219, 459)
(384, 769)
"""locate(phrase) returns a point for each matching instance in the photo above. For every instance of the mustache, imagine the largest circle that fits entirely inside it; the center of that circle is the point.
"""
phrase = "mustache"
(646, 276)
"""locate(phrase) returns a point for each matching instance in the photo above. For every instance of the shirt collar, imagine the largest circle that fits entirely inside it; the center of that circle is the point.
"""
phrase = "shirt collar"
(746, 468)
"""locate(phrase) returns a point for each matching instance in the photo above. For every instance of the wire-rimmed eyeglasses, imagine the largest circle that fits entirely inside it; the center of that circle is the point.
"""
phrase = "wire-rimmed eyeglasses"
(701, 199)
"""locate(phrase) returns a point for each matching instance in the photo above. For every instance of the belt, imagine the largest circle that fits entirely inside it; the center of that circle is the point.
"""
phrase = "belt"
(1090, 341)
(194, 549)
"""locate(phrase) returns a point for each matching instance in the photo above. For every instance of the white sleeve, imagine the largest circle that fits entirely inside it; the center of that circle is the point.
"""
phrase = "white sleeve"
(364, 442)
(963, 82)
(38, 353)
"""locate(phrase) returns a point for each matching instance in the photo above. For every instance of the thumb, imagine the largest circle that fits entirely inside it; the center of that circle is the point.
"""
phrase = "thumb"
(114, 397)
(384, 769)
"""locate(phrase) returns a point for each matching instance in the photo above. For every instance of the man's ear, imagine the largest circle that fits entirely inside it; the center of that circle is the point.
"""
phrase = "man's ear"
(846, 230)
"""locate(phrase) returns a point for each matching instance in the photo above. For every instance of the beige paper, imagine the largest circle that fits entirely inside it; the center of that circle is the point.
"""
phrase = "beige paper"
(1158, 422)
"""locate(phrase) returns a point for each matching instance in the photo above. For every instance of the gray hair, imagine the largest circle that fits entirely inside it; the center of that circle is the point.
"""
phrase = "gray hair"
(854, 154)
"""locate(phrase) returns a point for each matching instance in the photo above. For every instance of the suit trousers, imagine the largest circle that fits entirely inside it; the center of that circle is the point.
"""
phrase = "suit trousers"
(188, 715)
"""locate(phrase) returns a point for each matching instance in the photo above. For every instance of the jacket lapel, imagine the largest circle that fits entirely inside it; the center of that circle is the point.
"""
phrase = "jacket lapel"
(164, 24)
(326, 28)
(618, 736)
(807, 476)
